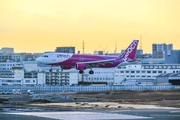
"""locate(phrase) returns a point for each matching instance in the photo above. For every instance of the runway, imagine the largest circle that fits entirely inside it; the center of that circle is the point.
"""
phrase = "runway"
(152, 114)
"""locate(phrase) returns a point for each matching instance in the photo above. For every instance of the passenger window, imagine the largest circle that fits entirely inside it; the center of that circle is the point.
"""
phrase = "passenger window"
(45, 56)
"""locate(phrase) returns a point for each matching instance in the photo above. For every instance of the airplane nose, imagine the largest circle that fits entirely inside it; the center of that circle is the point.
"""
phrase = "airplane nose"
(38, 60)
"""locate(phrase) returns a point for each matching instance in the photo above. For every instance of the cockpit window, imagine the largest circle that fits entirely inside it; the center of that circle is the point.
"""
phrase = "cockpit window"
(45, 56)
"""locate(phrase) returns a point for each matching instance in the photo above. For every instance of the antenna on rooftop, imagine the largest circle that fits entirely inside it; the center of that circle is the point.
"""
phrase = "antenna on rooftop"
(140, 41)
(83, 46)
(115, 47)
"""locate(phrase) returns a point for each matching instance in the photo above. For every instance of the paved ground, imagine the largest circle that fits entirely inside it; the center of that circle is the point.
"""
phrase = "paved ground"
(152, 114)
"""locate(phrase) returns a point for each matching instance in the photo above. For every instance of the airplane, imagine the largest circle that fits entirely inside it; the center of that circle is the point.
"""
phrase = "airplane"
(82, 62)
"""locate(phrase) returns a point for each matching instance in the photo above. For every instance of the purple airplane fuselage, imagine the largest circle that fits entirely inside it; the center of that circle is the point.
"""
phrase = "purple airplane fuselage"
(82, 62)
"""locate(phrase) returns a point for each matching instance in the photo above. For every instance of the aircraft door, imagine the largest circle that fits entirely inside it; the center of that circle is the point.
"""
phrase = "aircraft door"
(54, 58)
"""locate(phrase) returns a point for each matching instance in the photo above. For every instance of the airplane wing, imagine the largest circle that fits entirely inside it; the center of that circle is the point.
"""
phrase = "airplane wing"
(101, 62)
(128, 63)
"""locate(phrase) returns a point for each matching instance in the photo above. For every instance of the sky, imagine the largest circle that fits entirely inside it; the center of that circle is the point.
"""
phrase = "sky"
(37, 26)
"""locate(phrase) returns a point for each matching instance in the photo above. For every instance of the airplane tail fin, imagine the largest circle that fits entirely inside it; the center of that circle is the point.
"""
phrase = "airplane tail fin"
(131, 50)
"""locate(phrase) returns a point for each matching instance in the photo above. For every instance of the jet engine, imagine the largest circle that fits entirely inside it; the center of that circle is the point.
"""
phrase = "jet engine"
(81, 66)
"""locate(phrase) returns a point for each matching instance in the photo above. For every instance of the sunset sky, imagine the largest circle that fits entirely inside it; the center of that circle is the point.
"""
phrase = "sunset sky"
(42, 25)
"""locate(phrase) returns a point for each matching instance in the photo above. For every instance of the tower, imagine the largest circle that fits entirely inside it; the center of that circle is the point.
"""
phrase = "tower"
(83, 46)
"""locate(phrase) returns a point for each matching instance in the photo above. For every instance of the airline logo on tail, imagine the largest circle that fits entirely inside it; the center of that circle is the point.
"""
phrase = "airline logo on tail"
(130, 49)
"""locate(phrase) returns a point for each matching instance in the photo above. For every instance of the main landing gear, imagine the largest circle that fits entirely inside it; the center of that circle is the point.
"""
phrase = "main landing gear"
(90, 72)
(81, 71)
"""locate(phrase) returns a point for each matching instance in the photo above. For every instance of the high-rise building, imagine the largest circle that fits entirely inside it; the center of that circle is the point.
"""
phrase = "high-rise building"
(7, 50)
(172, 57)
(65, 49)
(138, 53)
(159, 50)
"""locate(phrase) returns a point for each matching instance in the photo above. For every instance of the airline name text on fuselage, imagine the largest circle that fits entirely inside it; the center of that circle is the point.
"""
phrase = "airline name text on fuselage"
(63, 55)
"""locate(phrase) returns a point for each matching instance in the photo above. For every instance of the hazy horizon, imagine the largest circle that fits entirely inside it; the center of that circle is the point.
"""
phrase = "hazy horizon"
(37, 26)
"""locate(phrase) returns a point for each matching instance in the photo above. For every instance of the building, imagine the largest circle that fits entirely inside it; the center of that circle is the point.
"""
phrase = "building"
(16, 77)
(101, 75)
(37, 55)
(98, 52)
(30, 78)
(7, 50)
(144, 56)
(30, 56)
(29, 73)
(138, 53)
(112, 54)
(172, 57)
(15, 57)
(57, 78)
(159, 49)
(143, 71)
(30, 66)
(65, 49)
(152, 61)
(172, 78)
(7, 66)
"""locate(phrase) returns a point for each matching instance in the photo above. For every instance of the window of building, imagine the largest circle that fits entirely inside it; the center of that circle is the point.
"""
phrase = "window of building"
(122, 71)
(138, 76)
(154, 71)
(143, 76)
(159, 71)
(132, 71)
(132, 76)
(9, 80)
(148, 76)
(33, 80)
(148, 71)
(127, 71)
(27, 81)
(137, 71)
(143, 71)
(127, 76)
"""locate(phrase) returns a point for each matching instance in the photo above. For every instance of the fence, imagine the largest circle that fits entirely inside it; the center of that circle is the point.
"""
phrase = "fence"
(87, 88)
